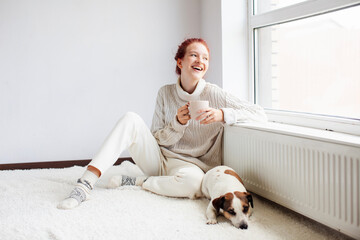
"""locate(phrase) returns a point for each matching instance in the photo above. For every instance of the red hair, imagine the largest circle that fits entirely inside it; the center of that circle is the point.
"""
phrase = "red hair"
(182, 49)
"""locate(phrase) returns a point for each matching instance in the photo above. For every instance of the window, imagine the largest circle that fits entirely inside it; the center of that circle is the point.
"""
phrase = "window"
(261, 6)
(306, 58)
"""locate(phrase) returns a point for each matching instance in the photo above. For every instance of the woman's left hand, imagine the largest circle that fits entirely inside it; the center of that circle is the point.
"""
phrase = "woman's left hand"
(210, 115)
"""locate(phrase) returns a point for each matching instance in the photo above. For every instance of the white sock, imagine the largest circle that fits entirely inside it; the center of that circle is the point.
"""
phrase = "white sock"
(90, 177)
(81, 192)
(123, 180)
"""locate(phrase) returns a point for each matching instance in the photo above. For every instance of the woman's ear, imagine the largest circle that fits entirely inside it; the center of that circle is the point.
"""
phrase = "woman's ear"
(178, 62)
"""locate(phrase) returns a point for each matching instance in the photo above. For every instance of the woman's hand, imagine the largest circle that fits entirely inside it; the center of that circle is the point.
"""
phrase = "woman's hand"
(210, 115)
(183, 115)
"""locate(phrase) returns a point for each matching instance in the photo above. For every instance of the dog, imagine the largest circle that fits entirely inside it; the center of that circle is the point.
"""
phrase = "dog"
(228, 196)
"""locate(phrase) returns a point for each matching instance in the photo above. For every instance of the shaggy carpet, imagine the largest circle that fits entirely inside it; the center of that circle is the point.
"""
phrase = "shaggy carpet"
(28, 200)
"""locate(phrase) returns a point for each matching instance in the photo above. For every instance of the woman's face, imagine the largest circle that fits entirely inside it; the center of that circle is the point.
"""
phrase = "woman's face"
(195, 62)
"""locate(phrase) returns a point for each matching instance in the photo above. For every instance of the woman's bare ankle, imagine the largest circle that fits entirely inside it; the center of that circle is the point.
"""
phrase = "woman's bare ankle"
(94, 170)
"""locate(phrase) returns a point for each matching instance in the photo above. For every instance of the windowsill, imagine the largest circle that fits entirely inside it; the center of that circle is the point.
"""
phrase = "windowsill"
(304, 132)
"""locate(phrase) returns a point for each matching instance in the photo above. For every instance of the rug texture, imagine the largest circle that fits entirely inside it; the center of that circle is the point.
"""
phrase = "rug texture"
(28, 200)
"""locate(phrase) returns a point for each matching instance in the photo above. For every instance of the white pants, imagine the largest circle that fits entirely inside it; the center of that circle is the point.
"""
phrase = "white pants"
(180, 178)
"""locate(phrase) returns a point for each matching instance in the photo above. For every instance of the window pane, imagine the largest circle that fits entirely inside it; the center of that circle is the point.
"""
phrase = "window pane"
(312, 65)
(262, 6)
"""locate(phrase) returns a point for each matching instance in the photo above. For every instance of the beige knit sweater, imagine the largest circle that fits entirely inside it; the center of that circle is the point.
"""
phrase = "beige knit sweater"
(195, 143)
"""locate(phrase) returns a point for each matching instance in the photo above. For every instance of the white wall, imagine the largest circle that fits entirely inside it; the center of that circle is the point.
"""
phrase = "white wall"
(70, 69)
(224, 26)
(211, 32)
(235, 61)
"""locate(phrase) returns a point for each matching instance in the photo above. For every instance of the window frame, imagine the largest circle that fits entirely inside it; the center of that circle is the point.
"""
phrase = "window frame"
(287, 14)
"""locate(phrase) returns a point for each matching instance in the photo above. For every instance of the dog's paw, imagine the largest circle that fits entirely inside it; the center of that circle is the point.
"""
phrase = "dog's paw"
(211, 221)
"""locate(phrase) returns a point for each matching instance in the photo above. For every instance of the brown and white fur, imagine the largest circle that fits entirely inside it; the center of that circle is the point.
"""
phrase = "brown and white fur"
(227, 195)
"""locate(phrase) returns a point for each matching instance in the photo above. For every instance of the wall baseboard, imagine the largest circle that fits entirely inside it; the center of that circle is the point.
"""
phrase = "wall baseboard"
(54, 164)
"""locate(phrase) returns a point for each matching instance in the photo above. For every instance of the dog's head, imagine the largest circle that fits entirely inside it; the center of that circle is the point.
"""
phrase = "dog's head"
(235, 207)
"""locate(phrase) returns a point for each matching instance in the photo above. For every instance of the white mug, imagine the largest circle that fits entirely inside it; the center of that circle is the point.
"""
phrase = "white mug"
(195, 106)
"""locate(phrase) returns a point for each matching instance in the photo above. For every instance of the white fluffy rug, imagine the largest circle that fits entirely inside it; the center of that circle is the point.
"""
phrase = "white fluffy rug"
(28, 200)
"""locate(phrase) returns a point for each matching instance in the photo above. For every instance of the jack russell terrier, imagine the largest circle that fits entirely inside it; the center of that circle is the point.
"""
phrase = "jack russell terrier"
(228, 196)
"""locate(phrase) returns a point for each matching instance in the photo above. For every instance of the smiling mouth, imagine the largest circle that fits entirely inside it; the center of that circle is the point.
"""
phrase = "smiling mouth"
(197, 68)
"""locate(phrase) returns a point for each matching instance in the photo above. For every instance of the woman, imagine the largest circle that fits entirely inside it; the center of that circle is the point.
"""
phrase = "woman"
(178, 150)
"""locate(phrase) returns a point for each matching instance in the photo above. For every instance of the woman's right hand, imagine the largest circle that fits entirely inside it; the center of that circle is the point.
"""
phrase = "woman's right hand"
(183, 115)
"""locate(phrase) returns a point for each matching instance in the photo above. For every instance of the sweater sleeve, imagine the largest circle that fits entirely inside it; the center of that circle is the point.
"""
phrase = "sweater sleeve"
(242, 111)
(166, 134)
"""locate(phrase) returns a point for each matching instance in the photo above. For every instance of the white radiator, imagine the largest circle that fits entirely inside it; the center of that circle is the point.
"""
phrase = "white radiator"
(316, 178)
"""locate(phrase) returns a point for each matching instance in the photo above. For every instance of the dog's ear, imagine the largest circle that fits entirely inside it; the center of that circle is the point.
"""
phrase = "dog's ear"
(218, 203)
(247, 195)
(250, 199)
(223, 202)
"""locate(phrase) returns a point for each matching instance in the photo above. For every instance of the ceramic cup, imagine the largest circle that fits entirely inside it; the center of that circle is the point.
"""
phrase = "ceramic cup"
(195, 106)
